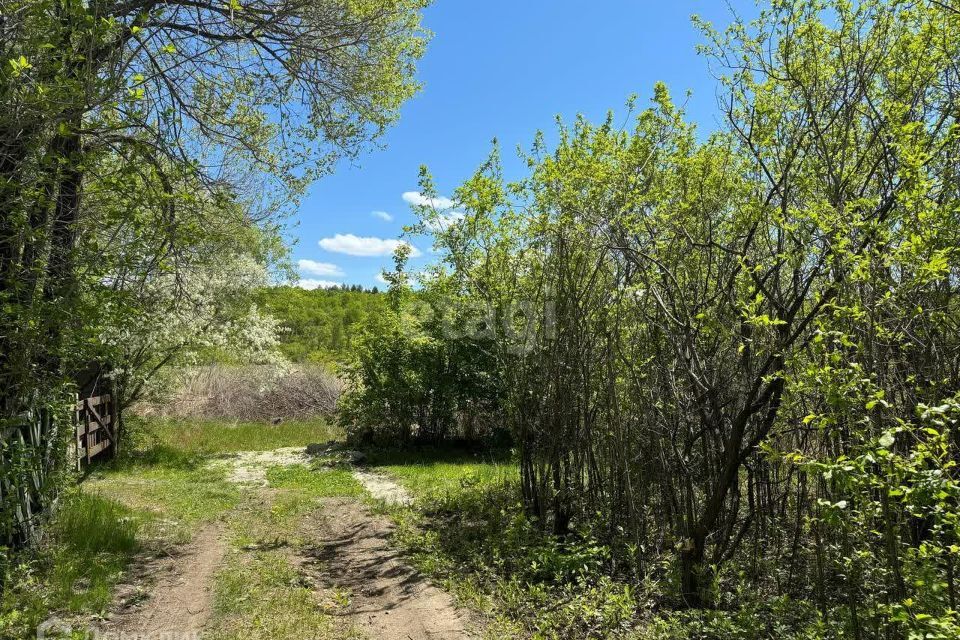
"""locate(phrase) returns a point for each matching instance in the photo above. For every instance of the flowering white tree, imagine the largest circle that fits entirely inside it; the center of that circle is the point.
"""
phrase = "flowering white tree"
(174, 318)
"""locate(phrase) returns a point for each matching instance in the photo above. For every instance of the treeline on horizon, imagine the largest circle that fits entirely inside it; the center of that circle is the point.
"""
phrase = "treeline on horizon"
(321, 325)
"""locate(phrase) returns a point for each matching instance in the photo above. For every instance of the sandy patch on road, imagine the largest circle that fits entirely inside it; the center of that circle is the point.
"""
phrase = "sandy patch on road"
(250, 467)
(382, 487)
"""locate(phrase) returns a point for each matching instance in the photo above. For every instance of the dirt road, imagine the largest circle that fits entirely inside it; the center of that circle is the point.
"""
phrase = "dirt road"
(347, 551)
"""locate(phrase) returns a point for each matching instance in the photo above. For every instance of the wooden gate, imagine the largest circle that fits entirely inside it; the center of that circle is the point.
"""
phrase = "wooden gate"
(95, 428)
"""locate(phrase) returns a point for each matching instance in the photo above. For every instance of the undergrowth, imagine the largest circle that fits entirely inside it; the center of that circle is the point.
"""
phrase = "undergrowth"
(90, 542)
(474, 537)
(477, 541)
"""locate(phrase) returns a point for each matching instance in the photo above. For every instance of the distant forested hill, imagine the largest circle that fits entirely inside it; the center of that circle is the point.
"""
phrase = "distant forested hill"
(320, 325)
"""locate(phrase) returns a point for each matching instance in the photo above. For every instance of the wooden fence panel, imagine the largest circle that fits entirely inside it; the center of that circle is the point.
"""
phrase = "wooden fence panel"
(95, 428)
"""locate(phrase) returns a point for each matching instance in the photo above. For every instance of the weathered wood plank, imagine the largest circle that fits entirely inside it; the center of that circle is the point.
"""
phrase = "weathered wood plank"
(93, 401)
(107, 420)
(94, 430)
(99, 447)
(101, 422)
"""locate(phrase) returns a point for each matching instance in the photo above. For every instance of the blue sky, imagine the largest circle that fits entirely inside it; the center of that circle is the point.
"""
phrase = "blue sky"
(499, 69)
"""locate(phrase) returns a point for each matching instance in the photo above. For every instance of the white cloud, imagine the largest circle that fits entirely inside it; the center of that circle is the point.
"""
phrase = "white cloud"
(311, 284)
(417, 199)
(441, 203)
(323, 269)
(359, 246)
(383, 215)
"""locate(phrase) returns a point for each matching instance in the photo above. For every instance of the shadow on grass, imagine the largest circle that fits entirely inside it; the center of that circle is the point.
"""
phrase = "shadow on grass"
(454, 452)
(156, 456)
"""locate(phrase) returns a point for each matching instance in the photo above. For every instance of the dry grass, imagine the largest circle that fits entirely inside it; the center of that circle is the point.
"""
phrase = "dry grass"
(253, 393)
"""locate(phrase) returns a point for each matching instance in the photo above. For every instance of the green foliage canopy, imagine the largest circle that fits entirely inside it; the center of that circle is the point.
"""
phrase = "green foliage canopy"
(734, 359)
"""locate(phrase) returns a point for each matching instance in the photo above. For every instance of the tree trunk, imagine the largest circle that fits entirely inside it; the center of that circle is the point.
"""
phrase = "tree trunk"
(691, 571)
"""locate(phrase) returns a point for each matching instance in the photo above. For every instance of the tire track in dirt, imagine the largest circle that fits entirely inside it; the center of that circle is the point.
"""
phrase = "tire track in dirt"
(388, 600)
(349, 551)
(180, 599)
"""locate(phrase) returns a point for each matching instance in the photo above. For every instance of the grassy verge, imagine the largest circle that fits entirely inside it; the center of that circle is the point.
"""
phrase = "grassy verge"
(207, 437)
(468, 531)
(431, 472)
(88, 546)
(157, 494)
(179, 499)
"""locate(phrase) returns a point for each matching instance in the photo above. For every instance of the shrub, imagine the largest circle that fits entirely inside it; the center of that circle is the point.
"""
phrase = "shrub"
(412, 378)
(408, 382)
(254, 392)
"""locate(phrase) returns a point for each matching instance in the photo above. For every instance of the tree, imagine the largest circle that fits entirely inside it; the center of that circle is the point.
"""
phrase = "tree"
(199, 93)
(742, 349)
(192, 103)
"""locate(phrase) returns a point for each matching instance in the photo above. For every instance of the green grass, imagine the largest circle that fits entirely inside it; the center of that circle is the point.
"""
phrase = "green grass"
(94, 538)
(159, 492)
(91, 540)
(321, 483)
(206, 437)
(169, 482)
(180, 499)
(169, 472)
(94, 524)
(432, 471)
(260, 594)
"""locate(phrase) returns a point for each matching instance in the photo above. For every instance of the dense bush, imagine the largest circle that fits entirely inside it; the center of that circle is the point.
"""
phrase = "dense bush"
(734, 360)
(408, 379)
(251, 392)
